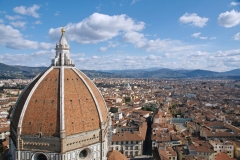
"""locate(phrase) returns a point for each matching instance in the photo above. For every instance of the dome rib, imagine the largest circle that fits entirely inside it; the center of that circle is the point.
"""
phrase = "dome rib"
(61, 96)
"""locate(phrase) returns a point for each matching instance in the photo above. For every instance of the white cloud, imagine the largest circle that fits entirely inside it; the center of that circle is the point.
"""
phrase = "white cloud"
(229, 53)
(18, 24)
(217, 61)
(103, 49)
(110, 45)
(134, 37)
(153, 57)
(13, 39)
(198, 54)
(38, 22)
(80, 59)
(42, 57)
(228, 58)
(77, 55)
(203, 37)
(100, 27)
(229, 19)
(97, 28)
(193, 19)
(95, 57)
(156, 45)
(165, 45)
(118, 61)
(134, 1)
(167, 55)
(42, 53)
(44, 45)
(196, 35)
(57, 13)
(234, 3)
(30, 11)
(3, 12)
(236, 36)
(98, 8)
(13, 18)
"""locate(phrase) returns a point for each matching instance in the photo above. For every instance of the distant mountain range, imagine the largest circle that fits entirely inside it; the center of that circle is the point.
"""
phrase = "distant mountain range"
(10, 72)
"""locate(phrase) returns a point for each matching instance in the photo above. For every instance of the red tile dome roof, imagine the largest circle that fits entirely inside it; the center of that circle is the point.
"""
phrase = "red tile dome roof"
(59, 99)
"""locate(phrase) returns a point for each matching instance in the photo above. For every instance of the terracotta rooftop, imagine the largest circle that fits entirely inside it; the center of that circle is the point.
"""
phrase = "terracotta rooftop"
(5, 129)
(222, 156)
(127, 136)
(165, 154)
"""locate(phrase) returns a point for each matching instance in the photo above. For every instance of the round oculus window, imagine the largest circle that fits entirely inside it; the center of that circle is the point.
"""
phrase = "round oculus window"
(41, 157)
(83, 154)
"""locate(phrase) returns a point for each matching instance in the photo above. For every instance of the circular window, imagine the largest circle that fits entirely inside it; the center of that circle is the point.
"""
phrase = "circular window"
(83, 154)
(41, 157)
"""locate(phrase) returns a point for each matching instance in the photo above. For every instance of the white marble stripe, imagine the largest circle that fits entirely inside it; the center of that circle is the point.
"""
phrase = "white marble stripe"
(62, 122)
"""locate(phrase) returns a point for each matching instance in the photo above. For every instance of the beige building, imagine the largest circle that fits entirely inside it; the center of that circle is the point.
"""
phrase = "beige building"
(236, 149)
(130, 143)
(223, 146)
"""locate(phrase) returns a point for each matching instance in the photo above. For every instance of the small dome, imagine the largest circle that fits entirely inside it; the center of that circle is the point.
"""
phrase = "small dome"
(63, 40)
(115, 155)
(62, 44)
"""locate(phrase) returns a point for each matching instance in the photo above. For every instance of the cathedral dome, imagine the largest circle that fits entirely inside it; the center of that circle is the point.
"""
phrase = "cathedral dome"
(61, 110)
(58, 97)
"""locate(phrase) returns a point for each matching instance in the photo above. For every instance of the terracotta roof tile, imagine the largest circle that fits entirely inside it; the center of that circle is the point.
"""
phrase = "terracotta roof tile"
(222, 156)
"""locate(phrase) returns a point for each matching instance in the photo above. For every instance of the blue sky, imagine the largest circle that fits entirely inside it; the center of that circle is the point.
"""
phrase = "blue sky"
(123, 34)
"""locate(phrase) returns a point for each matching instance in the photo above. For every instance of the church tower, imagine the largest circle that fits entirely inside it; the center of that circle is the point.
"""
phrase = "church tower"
(60, 115)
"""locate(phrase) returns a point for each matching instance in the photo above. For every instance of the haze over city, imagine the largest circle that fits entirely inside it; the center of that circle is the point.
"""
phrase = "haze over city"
(125, 34)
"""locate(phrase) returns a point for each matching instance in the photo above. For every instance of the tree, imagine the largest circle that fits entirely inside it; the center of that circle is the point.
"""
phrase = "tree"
(149, 107)
(127, 99)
